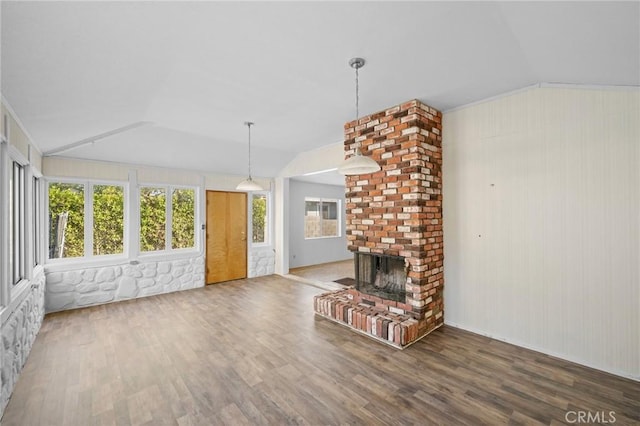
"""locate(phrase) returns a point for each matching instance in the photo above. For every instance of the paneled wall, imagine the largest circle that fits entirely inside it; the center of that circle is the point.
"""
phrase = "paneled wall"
(541, 223)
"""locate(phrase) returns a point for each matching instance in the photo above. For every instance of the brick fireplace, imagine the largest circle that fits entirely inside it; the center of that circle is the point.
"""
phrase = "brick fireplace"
(394, 214)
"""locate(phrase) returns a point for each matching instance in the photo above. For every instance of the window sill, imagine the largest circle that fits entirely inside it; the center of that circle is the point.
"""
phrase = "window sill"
(19, 292)
(73, 264)
(83, 263)
(261, 245)
(323, 238)
(173, 255)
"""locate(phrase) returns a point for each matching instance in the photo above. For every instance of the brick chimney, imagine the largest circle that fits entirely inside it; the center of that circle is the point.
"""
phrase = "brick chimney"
(398, 212)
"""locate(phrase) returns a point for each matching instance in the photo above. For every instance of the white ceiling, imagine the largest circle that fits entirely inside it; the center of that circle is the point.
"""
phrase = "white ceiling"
(198, 70)
(326, 177)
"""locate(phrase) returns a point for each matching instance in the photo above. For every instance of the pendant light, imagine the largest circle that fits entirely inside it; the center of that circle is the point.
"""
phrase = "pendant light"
(358, 164)
(249, 184)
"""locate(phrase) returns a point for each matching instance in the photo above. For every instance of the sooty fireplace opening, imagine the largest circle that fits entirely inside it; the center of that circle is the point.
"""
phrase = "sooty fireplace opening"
(382, 276)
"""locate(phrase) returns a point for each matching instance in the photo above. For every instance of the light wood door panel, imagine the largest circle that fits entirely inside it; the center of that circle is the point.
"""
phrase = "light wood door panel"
(226, 236)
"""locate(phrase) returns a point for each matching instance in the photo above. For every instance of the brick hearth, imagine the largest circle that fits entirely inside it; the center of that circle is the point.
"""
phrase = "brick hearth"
(397, 212)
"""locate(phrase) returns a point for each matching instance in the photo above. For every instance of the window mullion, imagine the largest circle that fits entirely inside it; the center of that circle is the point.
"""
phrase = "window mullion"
(321, 218)
(168, 218)
(4, 221)
(132, 217)
(29, 229)
(17, 223)
(88, 220)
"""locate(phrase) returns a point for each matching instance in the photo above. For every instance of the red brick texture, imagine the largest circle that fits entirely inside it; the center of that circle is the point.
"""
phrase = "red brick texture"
(398, 210)
(395, 329)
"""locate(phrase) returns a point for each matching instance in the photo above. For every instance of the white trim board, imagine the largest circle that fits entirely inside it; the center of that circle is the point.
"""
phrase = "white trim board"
(11, 111)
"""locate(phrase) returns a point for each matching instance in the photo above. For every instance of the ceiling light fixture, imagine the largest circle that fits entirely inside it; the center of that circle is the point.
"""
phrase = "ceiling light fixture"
(358, 164)
(248, 184)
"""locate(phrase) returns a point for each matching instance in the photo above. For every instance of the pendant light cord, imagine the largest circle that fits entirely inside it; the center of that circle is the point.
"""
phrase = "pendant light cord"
(357, 96)
(357, 147)
(249, 124)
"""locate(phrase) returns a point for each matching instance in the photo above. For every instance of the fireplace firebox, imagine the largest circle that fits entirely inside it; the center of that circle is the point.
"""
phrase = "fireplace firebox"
(382, 276)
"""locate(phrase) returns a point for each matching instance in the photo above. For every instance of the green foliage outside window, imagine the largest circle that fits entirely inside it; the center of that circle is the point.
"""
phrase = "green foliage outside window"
(67, 211)
(66, 220)
(259, 206)
(108, 219)
(183, 218)
(152, 218)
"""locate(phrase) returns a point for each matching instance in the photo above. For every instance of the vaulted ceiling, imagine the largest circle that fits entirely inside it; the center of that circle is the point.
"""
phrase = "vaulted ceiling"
(195, 71)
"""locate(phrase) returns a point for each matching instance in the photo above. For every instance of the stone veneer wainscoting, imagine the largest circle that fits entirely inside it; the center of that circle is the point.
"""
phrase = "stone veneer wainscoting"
(397, 212)
(18, 334)
(262, 261)
(96, 285)
(87, 286)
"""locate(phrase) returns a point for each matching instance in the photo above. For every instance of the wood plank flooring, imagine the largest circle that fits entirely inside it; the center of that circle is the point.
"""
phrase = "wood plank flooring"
(252, 352)
(326, 271)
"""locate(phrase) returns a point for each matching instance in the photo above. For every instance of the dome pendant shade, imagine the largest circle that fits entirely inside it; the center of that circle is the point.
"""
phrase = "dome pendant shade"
(358, 165)
(249, 185)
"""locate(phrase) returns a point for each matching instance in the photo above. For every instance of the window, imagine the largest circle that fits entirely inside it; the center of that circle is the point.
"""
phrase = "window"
(153, 202)
(17, 223)
(85, 220)
(167, 219)
(321, 218)
(108, 219)
(260, 219)
(183, 209)
(37, 231)
(66, 220)
(90, 219)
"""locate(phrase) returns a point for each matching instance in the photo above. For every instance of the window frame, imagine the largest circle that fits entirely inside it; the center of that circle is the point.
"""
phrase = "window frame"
(36, 221)
(196, 246)
(338, 217)
(267, 219)
(125, 200)
(168, 249)
(12, 293)
(17, 223)
(88, 255)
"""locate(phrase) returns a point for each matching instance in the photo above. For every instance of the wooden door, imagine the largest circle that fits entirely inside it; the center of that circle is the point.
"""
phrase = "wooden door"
(226, 236)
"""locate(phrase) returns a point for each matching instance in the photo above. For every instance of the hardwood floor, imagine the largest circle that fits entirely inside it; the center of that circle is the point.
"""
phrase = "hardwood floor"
(326, 271)
(252, 352)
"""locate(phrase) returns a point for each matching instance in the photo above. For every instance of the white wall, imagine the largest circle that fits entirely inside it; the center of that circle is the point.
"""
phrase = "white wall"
(541, 223)
(318, 250)
(323, 158)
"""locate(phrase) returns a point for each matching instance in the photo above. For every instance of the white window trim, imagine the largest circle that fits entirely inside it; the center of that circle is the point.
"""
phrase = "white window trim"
(11, 296)
(37, 252)
(268, 227)
(4, 220)
(14, 155)
(132, 252)
(168, 250)
(89, 258)
(338, 217)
